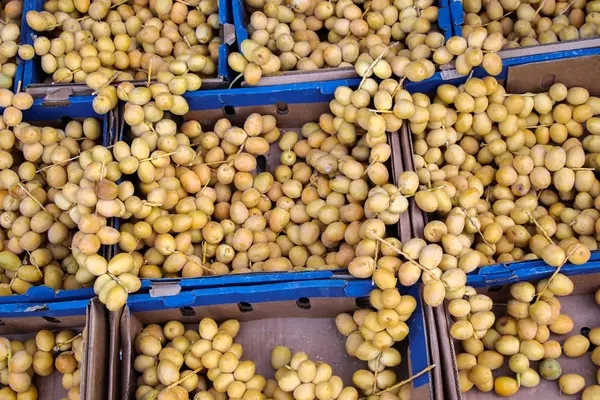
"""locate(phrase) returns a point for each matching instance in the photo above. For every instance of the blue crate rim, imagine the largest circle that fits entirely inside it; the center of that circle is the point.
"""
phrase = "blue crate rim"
(53, 309)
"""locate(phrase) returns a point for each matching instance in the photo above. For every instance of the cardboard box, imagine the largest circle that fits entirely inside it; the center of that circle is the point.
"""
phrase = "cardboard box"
(292, 107)
(535, 77)
(23, 321)
(450, 25)
(564, 67)
(580, 306)
(37, 83)
(300, 315)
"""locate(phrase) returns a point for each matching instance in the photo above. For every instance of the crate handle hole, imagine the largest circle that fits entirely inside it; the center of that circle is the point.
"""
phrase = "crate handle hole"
(303, 303)
(362, 302)
(245, 307)
(547, 81)
(585, 331)
(229, 111)
(187, 311)
(495, 288)
(52, 320)
(261, 164)
(282, 108)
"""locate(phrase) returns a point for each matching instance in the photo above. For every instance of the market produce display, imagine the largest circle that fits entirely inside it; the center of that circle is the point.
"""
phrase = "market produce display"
(176, 194)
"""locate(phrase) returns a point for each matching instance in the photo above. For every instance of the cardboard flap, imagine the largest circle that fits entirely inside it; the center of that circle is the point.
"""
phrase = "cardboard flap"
(434, 351)
(538, 77)
(288, 116)
(10, 326)
(450, 375)
(96, 387)
(550, 48)
(114, 349)
(411, 225)
(86, 354)
(418, 219)
(130, 326)
(395, 139)
(162, 289)
(57, 94)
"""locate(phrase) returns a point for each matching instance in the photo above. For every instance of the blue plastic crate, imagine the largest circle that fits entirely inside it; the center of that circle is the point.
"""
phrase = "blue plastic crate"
(418, 351)
(503, 273)
(300, 93)
(40, 112)
(225, 18)
(240, 20)
(31, 70)
(228, 100)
